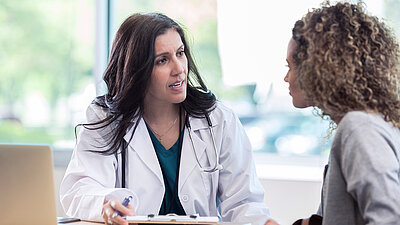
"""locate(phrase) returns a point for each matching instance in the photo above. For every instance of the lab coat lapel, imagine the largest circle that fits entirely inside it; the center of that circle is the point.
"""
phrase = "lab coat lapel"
(188, 158)
(143, 146)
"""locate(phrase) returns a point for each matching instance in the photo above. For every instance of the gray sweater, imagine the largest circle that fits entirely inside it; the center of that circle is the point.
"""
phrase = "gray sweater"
(362, 184)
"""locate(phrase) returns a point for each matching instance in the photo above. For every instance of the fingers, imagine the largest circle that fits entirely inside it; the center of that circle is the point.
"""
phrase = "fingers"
(271, 222)
(119, 220)
(131, 210)
(124, 210)
(107, 213)
(128, 211)
(109, 208)
(305, 221)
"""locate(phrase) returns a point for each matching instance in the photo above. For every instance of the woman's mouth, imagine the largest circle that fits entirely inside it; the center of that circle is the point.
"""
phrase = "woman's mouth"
(177, 84)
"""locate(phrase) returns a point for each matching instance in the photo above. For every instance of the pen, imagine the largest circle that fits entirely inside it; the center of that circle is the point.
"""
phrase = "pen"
(124, 203)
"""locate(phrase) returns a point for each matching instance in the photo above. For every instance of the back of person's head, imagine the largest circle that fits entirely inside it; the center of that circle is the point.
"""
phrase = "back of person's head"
(347, 60)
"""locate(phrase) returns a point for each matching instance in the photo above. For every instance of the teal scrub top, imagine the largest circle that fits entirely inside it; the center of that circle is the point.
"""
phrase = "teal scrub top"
(168, 160)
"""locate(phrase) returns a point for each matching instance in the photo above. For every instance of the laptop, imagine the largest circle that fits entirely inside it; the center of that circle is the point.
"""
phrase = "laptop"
(26, 185)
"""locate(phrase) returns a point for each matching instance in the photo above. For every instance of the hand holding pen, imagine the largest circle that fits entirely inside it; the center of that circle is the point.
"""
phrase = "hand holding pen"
(113, 209)
(124, 203)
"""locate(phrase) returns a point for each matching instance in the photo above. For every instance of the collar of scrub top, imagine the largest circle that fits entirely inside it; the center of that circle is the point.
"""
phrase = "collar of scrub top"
(216, 166)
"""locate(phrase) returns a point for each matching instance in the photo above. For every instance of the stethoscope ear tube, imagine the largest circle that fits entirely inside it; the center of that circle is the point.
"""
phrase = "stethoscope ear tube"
(208, 120)
(217, 166)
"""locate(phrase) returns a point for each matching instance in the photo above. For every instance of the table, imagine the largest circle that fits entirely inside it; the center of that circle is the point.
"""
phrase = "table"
(99, 223)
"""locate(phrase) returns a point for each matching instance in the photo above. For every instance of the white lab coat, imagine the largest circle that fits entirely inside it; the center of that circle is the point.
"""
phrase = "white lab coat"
(235, 190)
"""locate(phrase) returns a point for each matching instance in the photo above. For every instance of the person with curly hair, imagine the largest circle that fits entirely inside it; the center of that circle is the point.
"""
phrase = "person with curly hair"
(345, 63)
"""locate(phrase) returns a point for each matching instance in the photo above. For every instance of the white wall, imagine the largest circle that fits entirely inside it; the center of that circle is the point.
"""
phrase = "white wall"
(290, 200)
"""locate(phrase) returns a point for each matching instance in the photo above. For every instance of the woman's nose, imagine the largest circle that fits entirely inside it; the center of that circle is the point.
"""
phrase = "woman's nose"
(286, 78)
(179, 67)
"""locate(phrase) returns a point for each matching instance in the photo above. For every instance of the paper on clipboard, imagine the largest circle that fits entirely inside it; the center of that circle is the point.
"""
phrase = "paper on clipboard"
(173, 219)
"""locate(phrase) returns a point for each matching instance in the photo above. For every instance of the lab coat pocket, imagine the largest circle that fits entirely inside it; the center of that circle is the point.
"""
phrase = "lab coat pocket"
(210, 181)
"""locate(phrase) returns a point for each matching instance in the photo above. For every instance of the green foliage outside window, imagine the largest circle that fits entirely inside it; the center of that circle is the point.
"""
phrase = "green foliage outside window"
(43, 55)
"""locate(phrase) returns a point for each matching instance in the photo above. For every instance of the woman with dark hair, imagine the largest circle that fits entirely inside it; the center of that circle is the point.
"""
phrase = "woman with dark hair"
(160, 136)
(345, 62)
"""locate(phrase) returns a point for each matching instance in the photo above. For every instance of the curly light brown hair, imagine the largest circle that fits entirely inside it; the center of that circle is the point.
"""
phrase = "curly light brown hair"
(347, 60)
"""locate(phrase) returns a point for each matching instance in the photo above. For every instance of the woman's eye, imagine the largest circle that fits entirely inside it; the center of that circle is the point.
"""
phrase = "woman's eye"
(161, 61)
(181, 53)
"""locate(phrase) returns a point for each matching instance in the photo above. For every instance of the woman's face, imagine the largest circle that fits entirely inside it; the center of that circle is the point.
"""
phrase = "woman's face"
(169, 77)
(291, 77)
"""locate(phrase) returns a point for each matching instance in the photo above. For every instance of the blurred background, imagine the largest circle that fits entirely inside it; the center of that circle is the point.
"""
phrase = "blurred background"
(53, 54)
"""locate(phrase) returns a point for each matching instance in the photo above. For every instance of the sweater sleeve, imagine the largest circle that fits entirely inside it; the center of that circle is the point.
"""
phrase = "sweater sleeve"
(370, 166)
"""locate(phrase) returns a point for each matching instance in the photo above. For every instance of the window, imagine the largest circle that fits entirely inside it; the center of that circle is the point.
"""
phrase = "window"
(51, 70)
(242, 56)
(46, 59)
(240, 48)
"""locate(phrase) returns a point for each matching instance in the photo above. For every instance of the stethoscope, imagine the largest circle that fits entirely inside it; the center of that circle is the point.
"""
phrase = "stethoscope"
(216, 166)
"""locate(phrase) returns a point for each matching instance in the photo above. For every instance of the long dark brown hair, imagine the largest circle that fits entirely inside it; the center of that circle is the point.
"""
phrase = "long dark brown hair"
(128, 73)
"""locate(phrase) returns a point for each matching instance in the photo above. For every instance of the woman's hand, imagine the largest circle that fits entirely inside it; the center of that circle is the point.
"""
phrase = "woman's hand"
(302, 221)
(305, 221)
(271, 222)
(108, 210)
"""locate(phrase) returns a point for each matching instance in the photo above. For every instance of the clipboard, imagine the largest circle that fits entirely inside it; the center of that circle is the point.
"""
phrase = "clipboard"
(172, 219)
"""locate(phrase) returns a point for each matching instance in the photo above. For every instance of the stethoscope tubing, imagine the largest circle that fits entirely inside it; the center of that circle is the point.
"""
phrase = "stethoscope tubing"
(217, 166)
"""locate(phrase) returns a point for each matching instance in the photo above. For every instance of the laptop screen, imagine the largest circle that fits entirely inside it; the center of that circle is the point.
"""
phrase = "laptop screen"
(26, 184)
